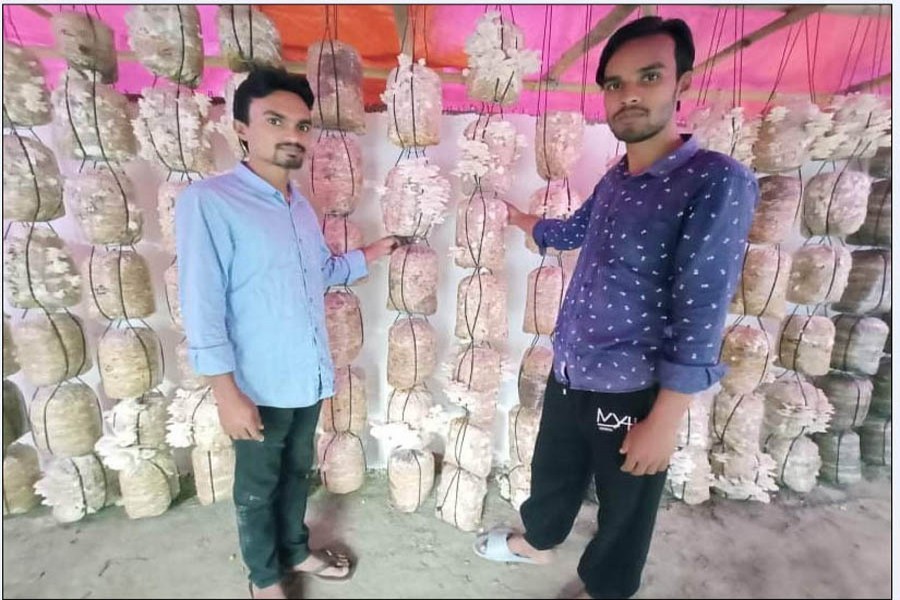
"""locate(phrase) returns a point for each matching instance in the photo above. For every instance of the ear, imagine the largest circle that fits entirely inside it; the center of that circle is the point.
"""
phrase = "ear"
(684, 84)
(240, 128)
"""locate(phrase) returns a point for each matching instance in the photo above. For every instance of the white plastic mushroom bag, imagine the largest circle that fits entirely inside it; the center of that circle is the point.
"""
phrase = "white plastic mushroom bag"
(166, 197)
(21, 471)
(558, 143)
(51, 348)
(840, 452)
(46, 277)
(336, 173)
(869, 285)
(524, 424)
(761, 290)
(32, 184)
(77, 487)
(469, 447)
(342, 462)
(140, 421)
(413, 97)
(409, 406)
(167, 40)
(858, 343)
(15, 422)
(875, 441)
(343, 320)
(798, 462)
(480, 223)
(819, 274)
(129, 360)
(150, 484)
(498, 60)
(102, 199)
(91, 121)
(876, 229)
(347, 410)
(213, 474)
(460, 498)
(737, 421)
(410, 478)
(806, 344)
(537, 362)
(26, 101)
(194, 421)
(334, 70)
(413, 280)
(173, 129)
(120, 285)
(776, 212)
(834, 204)
(795, 407)
(414, 198)
(412, 352)
(481, 309)
(747, 353)
(850, 396)
(247, 37)
(546, 286)
(66, 421)
(86, 42)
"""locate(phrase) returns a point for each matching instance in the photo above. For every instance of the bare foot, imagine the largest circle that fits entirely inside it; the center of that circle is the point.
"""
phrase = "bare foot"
(270, 592)
(518, 545)
(326, 564)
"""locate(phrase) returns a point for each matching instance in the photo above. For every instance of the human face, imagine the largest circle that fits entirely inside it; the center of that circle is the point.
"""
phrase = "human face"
(641, 88)
(279, 130)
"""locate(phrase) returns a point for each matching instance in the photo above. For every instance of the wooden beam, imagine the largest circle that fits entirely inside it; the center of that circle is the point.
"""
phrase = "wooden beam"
(790, 17)
(858, 10)
(39, 10)
(872, 83)
(648, 10)
(602, 30)
(455, 77)
(401, 23)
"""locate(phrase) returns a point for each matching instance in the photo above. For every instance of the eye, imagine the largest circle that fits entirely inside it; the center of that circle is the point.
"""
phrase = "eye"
(304, 127)
(652, 76)
(274, 121)
(610, 86)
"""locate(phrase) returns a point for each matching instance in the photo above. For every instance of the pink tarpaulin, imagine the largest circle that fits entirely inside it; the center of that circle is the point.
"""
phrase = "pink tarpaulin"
(825, 53)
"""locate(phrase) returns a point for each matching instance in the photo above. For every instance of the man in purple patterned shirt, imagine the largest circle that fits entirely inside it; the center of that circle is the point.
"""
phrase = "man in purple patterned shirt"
(662, 242)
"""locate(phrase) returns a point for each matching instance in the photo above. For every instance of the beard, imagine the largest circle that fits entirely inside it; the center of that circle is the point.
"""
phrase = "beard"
(287, 160)
(642, 130)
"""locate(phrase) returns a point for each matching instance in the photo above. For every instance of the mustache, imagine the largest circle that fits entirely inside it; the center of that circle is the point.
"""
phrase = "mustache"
(299, 147)
(629, 109)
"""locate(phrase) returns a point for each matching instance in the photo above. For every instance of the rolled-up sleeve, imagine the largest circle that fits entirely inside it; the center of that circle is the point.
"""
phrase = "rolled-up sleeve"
(708, 264)
(205, 251)
(564, 234)
(343, 269)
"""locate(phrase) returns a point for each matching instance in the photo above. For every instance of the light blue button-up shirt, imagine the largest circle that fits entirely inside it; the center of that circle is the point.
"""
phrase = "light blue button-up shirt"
(252, 272)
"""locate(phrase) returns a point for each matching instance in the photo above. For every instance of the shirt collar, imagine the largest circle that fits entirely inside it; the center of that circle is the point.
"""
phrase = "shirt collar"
(668, 163)
(248, 176)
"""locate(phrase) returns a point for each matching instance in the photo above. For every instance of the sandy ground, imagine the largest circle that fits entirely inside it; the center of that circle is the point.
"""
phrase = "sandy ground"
(829, 544)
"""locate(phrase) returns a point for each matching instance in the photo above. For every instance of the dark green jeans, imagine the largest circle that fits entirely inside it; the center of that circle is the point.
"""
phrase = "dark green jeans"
(271, 483)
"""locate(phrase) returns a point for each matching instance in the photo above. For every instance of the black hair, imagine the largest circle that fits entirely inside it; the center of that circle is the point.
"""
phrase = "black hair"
(262, 81)
(676, 29)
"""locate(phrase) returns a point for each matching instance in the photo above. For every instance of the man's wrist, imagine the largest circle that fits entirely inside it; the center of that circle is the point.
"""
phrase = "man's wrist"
(670, 407)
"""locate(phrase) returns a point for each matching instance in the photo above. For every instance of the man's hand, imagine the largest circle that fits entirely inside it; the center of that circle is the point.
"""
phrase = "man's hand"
(381, 248)
(238, 414)
(649, 444)
(648, 448)
(522, 220)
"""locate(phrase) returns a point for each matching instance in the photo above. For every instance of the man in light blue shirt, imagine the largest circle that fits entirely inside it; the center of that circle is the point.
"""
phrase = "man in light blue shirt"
(253, 270)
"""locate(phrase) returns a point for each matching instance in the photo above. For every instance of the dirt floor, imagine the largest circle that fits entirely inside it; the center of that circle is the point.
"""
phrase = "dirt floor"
(829, 544)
